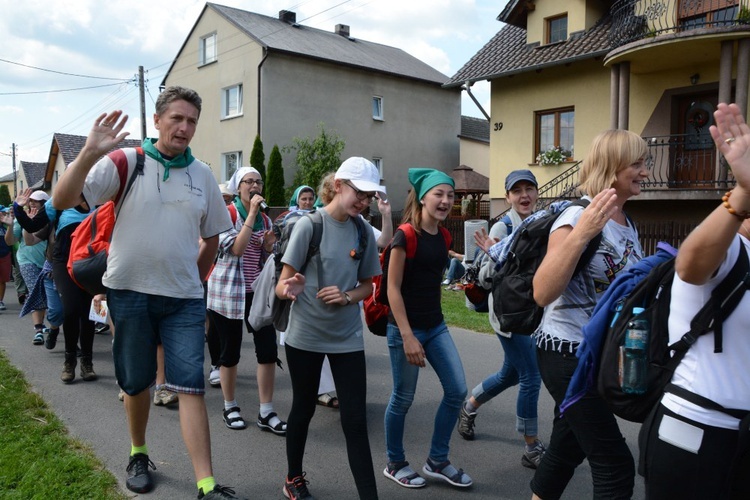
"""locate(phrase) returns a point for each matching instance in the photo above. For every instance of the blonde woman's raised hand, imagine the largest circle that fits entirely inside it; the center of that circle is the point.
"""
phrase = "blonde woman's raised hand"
(597, 214)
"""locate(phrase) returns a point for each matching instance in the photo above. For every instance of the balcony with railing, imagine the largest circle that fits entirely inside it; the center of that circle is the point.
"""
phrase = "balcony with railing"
(680, 166)
(634, 20)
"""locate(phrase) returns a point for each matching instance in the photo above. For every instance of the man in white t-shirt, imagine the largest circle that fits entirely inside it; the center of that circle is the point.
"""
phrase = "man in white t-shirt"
(162, 247)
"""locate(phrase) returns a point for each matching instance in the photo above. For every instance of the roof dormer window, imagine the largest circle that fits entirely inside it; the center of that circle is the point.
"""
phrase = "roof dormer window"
(557, 29)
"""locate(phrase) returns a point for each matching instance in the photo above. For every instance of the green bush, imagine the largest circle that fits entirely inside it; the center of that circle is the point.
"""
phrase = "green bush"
(275, 180)
(258, 159)
(314, 158)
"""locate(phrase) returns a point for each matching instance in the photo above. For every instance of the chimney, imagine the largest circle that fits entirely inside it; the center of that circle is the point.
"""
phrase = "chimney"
(287, 16)
(342, 29)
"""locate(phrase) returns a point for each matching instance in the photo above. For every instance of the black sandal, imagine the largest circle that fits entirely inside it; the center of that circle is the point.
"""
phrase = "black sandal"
(265, 424)
(230, 421)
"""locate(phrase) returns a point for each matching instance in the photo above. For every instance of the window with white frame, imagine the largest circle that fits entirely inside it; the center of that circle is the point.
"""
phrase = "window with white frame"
(231, 101)
(230, 162)
(377, 108)
(378, 162)
(557, 29)
(207, 49)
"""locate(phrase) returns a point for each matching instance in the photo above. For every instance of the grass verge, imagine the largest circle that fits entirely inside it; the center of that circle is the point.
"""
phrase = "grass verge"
(457, 314)
(39, 458)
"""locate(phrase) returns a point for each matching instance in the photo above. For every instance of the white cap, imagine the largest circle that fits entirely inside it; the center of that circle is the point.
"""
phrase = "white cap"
(362, 173)
(39, 196)
(224, 190)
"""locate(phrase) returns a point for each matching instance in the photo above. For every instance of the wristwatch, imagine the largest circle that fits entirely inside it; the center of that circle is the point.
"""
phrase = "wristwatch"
(348, 298)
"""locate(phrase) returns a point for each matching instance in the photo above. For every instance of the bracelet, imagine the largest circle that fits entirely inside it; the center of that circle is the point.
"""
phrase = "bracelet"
(348, 298)
(740, 215)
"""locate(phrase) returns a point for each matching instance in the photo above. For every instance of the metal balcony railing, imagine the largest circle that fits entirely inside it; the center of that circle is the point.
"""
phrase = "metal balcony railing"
(634, 20)
(685, 161)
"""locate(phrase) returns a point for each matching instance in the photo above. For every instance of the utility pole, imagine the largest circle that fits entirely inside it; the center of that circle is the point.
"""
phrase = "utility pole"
(141, 91)
(13, 156)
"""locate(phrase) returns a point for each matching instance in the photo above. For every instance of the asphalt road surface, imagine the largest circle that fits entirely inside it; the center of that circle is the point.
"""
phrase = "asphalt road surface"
(253, 462)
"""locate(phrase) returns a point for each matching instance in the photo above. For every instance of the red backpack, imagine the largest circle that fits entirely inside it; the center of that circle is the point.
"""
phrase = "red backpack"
(89, 242)
(376, 304)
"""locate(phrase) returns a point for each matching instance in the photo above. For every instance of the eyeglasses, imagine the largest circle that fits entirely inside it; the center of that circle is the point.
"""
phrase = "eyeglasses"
(250, 182)
(361, 195)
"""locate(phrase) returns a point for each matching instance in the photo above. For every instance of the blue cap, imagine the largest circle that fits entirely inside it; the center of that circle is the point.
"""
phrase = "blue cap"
(517, 176)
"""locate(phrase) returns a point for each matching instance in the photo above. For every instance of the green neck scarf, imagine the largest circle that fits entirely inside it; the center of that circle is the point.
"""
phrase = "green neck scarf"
(180, 161)
(258, 225)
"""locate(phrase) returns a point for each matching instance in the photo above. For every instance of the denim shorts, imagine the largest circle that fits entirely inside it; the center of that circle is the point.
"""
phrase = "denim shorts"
(143, 321)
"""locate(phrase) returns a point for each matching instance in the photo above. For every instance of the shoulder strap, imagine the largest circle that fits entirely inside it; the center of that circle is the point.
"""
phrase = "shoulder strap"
(138, 170)
(446, 236)
(411, 239)
(232, 213)
(592, 246)
(317, 237)
(724, 299)
(361, 237)
(508, 223)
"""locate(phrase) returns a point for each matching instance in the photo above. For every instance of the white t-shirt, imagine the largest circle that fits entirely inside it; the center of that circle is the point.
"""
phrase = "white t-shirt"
(721, 377)
(154, 247)
(618, 250)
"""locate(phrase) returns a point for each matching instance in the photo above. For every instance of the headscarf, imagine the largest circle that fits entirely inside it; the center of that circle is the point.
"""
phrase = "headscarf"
(293, 200)
(180, 161)
(424, 179)
(233, 185)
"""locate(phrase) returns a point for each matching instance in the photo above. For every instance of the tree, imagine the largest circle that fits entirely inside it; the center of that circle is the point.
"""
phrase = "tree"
(315, 157)
(258, 159)
(5, 199)
(275, 184)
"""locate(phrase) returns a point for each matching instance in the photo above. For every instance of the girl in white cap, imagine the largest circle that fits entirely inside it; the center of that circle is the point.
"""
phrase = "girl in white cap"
(325, 320)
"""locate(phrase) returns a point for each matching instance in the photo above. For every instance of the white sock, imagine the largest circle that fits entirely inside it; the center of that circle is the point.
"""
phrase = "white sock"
(265, 410)
(230, 404)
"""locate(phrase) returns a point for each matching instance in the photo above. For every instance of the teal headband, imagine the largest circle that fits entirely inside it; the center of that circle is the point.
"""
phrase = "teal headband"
(424, 179)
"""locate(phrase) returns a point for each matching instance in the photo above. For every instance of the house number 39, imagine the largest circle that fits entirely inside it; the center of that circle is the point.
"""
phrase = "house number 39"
(498, 126)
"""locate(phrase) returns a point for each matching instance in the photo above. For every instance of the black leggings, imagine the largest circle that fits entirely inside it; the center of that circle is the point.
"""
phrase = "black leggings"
(76, 305)
(349, 376)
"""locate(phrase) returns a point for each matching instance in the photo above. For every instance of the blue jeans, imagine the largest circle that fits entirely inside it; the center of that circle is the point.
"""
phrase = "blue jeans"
(54, 304)
(443, 357)
(519, 367)
(456, 270)
(142, 321)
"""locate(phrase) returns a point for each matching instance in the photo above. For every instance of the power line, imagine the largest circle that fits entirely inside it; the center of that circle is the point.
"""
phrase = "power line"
(62, 90)
(61, 72)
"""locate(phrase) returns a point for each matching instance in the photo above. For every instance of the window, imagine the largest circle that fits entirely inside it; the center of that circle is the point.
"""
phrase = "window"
(378, 162)
(230, 162)
(377, 108)
(693, 15)
(557, 29)
(554, 128)
(231, 101)
(207, 49)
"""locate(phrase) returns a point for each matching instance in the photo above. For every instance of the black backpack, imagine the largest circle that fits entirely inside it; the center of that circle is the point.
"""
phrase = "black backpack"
(512, 286)
(653, 294)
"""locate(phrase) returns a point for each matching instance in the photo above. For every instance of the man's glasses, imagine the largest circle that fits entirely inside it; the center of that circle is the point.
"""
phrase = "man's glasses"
(250, 182)
(361, 195)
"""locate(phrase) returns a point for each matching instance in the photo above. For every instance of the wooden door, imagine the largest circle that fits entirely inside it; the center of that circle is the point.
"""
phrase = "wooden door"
(693, 155)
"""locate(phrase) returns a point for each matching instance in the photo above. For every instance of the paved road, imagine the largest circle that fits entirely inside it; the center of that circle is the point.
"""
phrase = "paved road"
(254, 462)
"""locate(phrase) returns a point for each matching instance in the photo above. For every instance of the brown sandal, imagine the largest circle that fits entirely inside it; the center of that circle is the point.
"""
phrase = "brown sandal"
(328, 401)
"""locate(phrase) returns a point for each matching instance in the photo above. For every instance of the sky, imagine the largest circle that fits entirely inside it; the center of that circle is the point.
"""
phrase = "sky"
(65, 62)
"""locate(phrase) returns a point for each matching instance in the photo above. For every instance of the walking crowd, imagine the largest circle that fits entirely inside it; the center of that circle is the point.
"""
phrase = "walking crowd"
(185, 254)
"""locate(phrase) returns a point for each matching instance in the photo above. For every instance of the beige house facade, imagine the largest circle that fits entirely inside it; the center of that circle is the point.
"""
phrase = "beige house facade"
(273, 77)
(563, 71)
